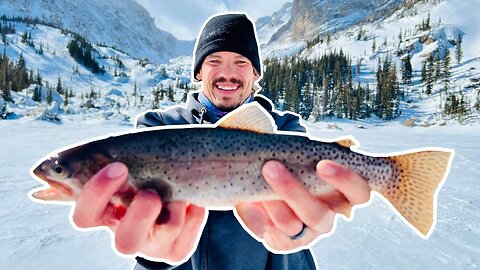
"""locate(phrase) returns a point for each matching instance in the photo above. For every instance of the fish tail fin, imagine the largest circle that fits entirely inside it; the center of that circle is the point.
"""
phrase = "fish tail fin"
(413, 190)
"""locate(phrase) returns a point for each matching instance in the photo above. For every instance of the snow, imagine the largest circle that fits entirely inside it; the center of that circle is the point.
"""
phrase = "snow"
(37, 236)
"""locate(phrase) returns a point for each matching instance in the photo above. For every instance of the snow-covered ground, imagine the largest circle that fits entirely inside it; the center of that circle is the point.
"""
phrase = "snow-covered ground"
(37, 236)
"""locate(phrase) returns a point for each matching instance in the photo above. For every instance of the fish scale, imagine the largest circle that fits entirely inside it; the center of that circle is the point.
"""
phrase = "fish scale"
(220, 166)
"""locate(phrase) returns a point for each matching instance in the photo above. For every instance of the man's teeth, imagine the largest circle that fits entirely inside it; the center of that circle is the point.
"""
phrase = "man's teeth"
(227, 87)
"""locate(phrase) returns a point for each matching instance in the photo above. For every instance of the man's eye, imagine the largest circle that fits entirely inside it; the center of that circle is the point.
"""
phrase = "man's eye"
(214, 62)
(241, 63)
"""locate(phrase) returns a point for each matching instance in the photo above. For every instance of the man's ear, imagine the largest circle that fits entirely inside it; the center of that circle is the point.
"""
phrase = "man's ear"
(255, 75)
(198, 75)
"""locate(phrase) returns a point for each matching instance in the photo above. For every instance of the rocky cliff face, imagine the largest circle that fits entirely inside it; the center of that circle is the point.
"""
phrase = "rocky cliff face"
(311, 17)
(288, 30)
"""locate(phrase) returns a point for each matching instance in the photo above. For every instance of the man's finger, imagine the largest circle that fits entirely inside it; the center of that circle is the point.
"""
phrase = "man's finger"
(345, 180)
(309, 209)
(97, 193)
(283, 217)
(185, 242)
(133, 231)
(164, 235)
(254, 216)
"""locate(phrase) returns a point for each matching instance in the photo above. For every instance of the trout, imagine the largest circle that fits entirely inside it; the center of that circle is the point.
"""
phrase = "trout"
(220, 165)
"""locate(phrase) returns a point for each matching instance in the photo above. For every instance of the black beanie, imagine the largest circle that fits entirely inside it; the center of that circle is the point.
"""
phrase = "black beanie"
(227, 32)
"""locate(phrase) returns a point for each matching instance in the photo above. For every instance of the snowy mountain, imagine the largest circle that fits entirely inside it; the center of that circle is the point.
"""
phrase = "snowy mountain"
(134, 80)
(121, 24)
(367, 36)
(307, 19)
(126, 86)
(268, 27)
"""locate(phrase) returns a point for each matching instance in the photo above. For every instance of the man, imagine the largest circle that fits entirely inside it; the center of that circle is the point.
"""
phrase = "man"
(227, 63)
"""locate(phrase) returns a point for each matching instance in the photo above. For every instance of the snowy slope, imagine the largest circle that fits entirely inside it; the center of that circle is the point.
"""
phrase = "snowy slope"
(122, 24)
(56, 63)
(268, 27)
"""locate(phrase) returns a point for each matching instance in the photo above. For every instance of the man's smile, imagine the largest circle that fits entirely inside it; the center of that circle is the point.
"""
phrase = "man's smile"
(227, 86)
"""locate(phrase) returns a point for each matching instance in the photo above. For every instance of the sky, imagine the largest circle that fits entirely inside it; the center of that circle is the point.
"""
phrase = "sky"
(184, 18)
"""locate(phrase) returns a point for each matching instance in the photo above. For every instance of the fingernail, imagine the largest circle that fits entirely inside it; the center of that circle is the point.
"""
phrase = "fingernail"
(328, 169)
(115, 171)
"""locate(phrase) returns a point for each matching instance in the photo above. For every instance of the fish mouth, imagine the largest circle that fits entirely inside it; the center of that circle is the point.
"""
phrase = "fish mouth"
(55, 185)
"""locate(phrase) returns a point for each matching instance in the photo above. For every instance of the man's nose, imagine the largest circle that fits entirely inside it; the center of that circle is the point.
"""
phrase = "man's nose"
(228, 71)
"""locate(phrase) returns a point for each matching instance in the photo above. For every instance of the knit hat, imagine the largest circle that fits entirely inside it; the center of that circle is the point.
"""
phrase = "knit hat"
(227, 32)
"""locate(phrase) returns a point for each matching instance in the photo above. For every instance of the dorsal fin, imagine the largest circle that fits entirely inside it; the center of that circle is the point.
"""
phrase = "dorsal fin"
(250, 117)
(347, 142)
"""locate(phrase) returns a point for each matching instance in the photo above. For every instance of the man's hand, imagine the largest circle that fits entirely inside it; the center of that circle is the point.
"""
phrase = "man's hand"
(277, 221)
(140, 230)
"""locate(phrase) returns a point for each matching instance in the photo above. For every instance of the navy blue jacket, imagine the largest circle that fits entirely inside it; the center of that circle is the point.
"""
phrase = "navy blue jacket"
(224, 243)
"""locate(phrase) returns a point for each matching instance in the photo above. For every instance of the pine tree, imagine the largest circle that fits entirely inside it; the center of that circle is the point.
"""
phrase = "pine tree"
(4, 77)
(459, 51)
(407, 70)
(40, 50)
(374, 46)
(50, 96)
(36, 96)
(446, 73)
(155, 98)
(170, 93)
(59, 88)
(66, 100)
(135, 93)
(38, 78)
(388, 93)
(424, 71)
(429, 75)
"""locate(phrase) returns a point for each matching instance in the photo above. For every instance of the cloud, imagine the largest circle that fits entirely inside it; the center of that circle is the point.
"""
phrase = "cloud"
(184, 18)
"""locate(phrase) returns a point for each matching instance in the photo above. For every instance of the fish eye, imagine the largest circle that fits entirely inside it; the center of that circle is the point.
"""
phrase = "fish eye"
(59, 171)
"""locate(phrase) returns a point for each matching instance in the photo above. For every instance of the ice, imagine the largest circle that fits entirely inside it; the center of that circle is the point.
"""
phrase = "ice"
(37, 236)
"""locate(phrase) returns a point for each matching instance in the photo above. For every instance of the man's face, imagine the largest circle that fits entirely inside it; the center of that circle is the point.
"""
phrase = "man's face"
(227, 79)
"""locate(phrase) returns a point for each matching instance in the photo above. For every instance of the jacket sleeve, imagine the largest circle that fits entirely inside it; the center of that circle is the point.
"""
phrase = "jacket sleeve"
(288, 122)
(176, 115)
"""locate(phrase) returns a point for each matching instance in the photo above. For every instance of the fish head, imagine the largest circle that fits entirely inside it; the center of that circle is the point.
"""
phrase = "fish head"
(66, 173)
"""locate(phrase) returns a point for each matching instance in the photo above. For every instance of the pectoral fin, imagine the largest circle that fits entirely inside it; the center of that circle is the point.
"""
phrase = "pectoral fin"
(251, 117)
